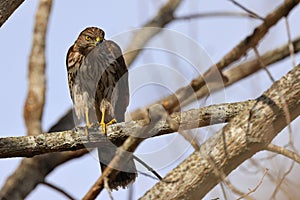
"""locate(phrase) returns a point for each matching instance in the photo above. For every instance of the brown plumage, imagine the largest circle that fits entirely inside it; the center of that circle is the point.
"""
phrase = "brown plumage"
(98, 83)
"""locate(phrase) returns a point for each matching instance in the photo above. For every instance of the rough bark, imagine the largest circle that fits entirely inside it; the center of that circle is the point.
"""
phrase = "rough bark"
(245, 135)
(29, 146)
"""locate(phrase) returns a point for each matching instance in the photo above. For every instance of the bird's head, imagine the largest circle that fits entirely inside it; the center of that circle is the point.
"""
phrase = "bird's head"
(88, 39)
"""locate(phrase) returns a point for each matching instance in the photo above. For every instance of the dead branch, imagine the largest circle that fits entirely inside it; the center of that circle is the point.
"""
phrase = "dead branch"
(7, 7)
(239, 140)
(54, 187)
(255, 188)
(215, 14)
(29, 146)
(283, 151)
(240, 72)
(170, 103)
(34, 105)
(251, 13)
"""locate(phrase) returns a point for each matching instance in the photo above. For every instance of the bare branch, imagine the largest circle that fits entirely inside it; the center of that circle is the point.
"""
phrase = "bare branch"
(232, 145)
(215, 14)
(170, 103)
(28, 146)
(58, 189)
(251, 13)
(255, 188)
(283, 151)
(236, 190)
(239, 72)
(34, 105)
(282, 179)
(150, 169)
(7, 7)
(291, 46)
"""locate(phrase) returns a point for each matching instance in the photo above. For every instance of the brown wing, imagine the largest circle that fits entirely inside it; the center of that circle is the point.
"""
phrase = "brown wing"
(113, 79)
(73, 62)
(121, 88)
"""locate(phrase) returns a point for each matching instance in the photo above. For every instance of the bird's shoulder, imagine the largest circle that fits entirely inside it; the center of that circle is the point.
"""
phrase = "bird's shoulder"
(113, 48)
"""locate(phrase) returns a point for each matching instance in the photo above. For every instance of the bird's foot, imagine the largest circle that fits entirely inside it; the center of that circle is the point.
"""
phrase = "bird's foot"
(104, 125)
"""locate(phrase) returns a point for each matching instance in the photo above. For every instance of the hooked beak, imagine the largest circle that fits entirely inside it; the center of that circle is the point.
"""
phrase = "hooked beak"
(97, 41)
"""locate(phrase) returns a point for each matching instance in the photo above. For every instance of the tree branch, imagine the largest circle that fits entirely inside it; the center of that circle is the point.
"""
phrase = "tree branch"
(234, 74)
(239, 140)
(170, 103)
(28, 146)
(34, 105)
(283, 151)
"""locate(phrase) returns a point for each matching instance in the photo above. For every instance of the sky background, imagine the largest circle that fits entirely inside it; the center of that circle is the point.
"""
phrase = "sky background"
(170, 61)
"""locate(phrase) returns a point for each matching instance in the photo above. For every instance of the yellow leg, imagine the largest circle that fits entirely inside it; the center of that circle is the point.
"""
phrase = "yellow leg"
(87, 123)
(103, 124)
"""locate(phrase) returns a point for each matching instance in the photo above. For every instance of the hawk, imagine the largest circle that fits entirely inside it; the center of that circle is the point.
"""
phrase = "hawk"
(98, 84)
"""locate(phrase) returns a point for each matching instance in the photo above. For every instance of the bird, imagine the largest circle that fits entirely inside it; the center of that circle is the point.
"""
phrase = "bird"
(98, 84)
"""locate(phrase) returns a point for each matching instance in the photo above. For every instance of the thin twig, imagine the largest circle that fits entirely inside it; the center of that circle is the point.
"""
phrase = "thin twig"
(269, 175)
(291, 46)
(58, 189)
(256, 187)
(147, 166)
(262, 64)
(223, 191)
(251, 13)
(215, 14)
(283, 101)
(278, 186)
(235, 190)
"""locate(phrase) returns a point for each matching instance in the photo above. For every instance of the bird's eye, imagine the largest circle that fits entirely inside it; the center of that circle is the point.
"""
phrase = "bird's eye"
(88, 38)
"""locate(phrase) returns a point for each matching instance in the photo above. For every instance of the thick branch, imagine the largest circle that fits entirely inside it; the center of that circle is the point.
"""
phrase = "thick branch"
(28, 146)
(246, 134)
(7, 7)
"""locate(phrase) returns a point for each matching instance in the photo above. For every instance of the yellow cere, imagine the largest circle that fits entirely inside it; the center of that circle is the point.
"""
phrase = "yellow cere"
(98, 39)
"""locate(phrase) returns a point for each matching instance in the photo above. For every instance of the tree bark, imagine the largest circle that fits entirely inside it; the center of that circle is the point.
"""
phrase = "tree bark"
(245, 135)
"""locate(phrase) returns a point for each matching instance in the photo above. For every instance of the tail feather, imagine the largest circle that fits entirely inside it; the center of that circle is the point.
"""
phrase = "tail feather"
(127, 173)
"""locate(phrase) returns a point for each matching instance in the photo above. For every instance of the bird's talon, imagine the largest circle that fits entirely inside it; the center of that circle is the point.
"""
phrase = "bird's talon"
(104, 125)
